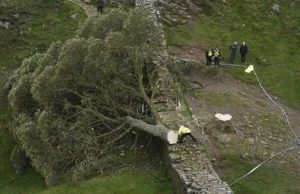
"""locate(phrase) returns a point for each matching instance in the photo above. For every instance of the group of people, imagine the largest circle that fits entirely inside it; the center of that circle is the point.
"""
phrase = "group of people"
(214, 55)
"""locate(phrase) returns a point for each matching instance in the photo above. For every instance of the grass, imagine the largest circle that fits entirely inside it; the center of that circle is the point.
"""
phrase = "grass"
(271, 36)
(10, 183)
(265, 180)
(124, 183)
(187, 112)
(212, 98)
(217, 99)
(42, 21)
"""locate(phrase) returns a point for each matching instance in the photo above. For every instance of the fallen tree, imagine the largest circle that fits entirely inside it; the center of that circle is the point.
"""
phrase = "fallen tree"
(161, 132)
(73, 102)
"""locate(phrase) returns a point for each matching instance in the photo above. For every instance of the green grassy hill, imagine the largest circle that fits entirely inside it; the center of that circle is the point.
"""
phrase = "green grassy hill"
(38, 24)
(41, 22)
(123, 183)
(273, 40)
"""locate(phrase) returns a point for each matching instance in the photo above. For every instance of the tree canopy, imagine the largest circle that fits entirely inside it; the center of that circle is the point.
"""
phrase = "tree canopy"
(74, 101)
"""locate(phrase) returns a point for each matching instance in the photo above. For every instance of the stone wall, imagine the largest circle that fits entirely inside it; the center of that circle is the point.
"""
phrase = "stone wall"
(177, 12)
(191, 170)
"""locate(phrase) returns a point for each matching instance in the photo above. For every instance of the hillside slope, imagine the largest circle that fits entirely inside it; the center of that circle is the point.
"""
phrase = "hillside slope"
(273, 39)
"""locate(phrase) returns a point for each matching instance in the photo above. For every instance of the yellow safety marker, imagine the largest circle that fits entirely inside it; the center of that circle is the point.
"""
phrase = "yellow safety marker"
(249, 69)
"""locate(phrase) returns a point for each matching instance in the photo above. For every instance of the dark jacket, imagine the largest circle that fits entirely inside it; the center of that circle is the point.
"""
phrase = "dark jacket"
(233, 48)
(243, 50)
(100, 3)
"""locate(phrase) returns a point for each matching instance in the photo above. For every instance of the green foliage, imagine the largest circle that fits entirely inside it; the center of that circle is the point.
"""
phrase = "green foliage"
(99, 27)
(272, 40)
(70, 103)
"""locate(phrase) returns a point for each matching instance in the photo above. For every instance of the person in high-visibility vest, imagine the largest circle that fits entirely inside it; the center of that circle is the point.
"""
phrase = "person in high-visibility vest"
(183, 132)
(208, 55)
(217, 54)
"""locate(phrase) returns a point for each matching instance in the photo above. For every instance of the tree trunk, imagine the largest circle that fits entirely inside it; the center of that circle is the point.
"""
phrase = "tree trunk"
(161, 132)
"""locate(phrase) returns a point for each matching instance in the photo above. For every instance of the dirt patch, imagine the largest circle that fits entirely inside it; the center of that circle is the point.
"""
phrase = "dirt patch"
(262, 128)
(189, 52)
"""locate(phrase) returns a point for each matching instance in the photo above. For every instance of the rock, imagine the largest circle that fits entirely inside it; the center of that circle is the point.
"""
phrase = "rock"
(189, 191)
(293, 4)
(243, 94)
(224, 138)
(193, 185)
(6, 25)
(263, 142)
(211, 177)
(1, 24)
(275, 8)
(251, 140)
(174, 157)
(188, 183)
(74, 15)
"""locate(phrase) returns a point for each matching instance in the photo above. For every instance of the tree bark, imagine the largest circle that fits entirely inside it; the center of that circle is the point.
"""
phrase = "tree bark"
(161, 132)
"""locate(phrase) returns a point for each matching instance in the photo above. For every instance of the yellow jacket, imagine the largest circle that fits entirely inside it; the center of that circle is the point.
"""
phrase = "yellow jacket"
(183, 130)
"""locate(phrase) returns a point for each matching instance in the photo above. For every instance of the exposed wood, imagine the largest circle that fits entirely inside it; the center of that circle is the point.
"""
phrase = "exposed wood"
(161, 132)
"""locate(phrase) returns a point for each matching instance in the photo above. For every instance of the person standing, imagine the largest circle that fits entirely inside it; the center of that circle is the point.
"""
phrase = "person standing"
(217, 54)
(100, 6)
(208, 56)
(183, 132)
(243, 51)
(232, 49)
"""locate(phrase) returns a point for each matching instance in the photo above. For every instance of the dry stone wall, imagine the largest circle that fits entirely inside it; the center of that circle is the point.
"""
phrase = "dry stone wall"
(191, 170)
(189, 165)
